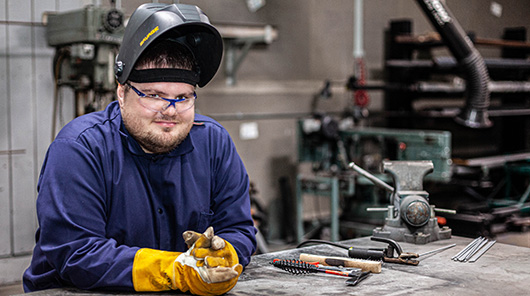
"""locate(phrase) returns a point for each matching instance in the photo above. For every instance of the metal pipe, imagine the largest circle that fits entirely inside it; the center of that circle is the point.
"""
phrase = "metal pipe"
(358, 51)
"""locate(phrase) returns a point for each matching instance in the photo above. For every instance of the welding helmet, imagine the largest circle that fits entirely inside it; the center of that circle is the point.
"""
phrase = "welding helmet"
(186, 24)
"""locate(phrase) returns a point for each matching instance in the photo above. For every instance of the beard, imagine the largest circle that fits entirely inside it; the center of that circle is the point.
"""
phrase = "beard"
(153, 139)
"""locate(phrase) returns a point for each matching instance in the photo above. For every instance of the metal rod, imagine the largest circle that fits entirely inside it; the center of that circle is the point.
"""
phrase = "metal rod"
(371, 177)
(482, 251)
(463, 256)
(448, 211)
(22, 23)
(437, 250)
(475, 249)
(466, 248)
(376, 209)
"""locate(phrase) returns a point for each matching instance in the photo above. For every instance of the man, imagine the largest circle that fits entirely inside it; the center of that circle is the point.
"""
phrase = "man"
(119, 188)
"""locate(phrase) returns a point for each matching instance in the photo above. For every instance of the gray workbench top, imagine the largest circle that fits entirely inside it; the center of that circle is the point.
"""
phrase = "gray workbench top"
(503, 270)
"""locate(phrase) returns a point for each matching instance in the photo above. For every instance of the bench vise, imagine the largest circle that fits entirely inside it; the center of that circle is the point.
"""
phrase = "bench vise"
(410, 217)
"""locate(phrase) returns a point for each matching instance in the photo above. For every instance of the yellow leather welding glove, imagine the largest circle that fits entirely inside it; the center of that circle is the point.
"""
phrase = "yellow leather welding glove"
(209, 267)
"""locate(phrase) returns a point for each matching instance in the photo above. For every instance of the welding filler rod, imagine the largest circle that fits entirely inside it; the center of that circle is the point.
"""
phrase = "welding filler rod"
(477, 247)
(469, 246)
(364, 265)
(469, 250)
(436, 250)
(464, 249)
(482, 251)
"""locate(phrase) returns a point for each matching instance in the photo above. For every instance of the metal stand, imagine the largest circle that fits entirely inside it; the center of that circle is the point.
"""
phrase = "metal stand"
(323, 186)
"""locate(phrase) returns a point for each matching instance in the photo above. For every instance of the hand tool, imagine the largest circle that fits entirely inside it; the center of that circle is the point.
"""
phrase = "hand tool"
(354, 281)
(302, 267)
(370, 256)
(386, 255)
(364, 265)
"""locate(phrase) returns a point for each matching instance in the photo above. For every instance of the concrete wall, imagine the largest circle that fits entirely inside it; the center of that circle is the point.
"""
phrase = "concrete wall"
(274, 82)
(25, 123)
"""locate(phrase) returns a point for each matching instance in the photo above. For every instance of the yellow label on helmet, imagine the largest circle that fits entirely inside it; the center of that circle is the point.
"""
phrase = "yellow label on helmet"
(148, 35)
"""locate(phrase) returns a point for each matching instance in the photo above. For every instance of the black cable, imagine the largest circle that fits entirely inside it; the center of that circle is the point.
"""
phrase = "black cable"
(317, 241)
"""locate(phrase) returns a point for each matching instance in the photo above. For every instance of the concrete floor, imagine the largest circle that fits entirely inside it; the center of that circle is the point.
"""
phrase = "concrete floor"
(511, 238)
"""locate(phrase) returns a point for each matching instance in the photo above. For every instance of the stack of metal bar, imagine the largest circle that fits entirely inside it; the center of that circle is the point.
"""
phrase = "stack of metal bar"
(474, 250)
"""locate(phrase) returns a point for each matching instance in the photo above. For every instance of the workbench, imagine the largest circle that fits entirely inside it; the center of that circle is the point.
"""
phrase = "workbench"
(502, 270)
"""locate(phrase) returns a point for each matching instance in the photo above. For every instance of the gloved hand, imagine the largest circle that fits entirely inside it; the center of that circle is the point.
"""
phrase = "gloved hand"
(209, 267)
(215, 259)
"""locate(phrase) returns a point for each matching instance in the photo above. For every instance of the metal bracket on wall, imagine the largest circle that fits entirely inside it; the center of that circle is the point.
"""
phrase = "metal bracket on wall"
(11, 152)
(242, 38)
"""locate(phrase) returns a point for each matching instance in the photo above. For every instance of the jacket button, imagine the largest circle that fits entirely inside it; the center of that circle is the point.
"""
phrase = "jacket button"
(160, 211)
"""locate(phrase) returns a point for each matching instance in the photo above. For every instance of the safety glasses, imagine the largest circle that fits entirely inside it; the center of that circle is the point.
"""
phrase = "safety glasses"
(157, 103)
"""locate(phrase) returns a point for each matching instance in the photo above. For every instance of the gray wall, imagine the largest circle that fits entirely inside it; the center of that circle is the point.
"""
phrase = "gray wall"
(315, 43)
(25, 123)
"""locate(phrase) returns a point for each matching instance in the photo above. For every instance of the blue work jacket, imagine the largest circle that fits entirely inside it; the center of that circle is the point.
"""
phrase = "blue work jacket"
(101, 198)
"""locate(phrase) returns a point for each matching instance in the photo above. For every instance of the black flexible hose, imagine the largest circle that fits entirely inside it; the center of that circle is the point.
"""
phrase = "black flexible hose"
(475, 112)
(478, 95)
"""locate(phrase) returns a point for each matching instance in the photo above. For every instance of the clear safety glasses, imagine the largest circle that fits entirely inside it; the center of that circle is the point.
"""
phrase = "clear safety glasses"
(157, 103)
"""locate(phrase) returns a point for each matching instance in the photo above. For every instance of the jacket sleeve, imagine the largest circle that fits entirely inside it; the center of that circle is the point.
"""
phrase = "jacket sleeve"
(71, 209)
(232, 219)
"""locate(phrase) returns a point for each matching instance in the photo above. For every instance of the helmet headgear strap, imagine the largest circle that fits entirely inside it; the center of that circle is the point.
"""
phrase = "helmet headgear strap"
(164, 75)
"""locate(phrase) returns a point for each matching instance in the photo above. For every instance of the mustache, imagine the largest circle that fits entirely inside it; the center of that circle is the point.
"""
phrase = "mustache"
(163, 117)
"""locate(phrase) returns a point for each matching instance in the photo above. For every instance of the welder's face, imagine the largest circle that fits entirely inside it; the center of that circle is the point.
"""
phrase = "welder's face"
(156, 132)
